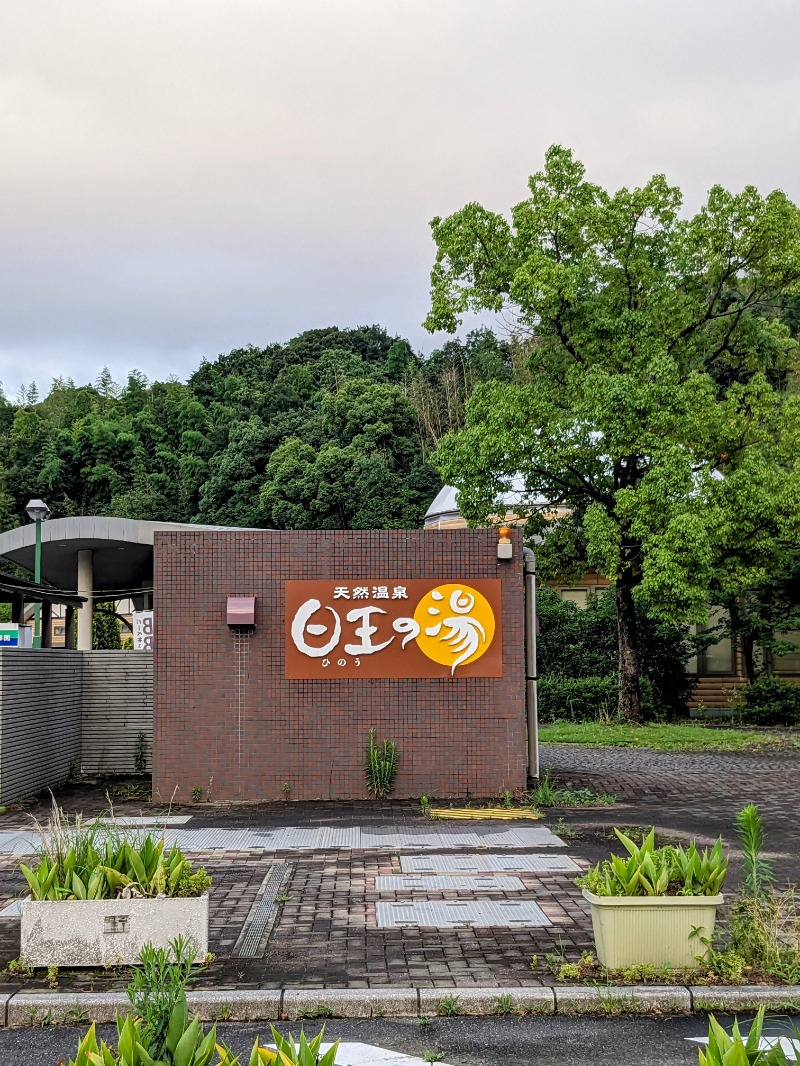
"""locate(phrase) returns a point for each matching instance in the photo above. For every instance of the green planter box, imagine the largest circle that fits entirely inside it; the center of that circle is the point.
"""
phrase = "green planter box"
(651, 930)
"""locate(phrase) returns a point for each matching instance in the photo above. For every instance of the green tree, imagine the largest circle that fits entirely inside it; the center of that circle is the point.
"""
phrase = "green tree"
(105, 628)
(638, 455)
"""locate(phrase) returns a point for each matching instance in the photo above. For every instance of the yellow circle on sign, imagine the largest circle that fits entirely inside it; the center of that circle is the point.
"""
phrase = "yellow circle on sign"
(456, 625)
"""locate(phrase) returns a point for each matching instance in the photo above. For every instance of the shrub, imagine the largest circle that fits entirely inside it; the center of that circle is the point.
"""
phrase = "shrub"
(769, 701)
(671, 870)
(575, 642)
(585, 699)
(98, 860)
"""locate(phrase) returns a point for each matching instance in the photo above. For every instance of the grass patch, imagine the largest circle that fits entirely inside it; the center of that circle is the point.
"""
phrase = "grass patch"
(677, 736)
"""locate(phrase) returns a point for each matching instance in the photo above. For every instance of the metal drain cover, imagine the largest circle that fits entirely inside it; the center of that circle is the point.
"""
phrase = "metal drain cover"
(451, 914)
(421, 883)
(422, 864)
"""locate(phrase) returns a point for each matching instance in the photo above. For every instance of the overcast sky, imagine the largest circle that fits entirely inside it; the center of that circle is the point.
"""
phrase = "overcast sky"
(181, 177)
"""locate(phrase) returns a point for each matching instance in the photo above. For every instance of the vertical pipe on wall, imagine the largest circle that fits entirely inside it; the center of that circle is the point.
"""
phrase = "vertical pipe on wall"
(530, 663)
(86, 589)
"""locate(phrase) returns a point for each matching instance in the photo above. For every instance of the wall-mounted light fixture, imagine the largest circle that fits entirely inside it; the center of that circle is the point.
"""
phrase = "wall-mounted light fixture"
(241, 611)
(505, 549)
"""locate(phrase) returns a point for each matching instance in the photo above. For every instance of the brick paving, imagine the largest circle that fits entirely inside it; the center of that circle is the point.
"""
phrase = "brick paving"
(325, 934)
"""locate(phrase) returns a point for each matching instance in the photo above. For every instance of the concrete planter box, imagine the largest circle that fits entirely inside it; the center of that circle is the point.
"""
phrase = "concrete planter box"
(101, 932)
(651, 930)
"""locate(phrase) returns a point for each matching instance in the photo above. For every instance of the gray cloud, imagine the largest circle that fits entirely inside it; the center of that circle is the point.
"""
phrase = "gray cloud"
(180, 177)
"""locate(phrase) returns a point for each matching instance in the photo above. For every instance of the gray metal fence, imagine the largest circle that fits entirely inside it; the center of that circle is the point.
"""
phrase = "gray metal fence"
(69, 710)
(116, 706)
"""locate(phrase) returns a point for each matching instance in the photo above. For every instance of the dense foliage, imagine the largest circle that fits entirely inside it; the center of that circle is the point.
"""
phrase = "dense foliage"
(659, 420)
(577, 660)
(769, 701)
(329, 431)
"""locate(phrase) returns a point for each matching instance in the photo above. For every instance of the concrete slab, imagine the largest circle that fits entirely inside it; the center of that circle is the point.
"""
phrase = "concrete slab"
(420, 883)
(491, 862)
(453, 914)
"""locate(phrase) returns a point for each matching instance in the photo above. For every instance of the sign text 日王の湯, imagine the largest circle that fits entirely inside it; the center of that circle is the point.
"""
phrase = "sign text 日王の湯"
(396, 628)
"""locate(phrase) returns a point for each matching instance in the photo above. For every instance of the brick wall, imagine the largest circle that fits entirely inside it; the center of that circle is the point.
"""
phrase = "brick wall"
(225, 718)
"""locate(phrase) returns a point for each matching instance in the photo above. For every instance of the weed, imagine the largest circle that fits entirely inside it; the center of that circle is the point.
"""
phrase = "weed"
(534, 962)
(51, 980)
(504, 1004)
(433, 1056)
(286, 789)
(282, 899)
(547, 794)
(74, 771)
(76, 1015)
(40, 1020)
(380, 768)
(157, 986)
(448, 1006)
(197, 794)
(140, 753)
(18, 968)
(569, 971)
(208, 958)
(425, 1021)
(507, 798)
(224, 1012)
(319, 1010)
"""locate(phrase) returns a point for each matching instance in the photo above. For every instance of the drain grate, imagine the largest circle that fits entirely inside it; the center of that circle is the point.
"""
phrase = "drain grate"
(251, 942)
(422, 864)
(452, 914)
(419, 883)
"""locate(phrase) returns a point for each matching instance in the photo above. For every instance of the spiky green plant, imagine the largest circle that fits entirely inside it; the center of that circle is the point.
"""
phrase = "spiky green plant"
(757, 874)
(380, 768)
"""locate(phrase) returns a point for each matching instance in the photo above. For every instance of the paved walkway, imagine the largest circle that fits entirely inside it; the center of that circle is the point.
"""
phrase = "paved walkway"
(319, 925)
(689, 794)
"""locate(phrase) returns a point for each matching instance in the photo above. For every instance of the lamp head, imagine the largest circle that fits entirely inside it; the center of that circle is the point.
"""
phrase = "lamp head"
(37, 510)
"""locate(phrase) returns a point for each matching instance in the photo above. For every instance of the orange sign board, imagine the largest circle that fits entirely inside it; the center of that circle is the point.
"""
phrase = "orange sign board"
(337, 629)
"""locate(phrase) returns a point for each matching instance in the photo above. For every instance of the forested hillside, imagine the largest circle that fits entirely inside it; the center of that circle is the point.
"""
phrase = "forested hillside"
(331, 430)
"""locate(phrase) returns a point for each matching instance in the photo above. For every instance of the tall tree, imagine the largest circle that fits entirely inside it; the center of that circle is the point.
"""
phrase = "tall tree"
(649, 455)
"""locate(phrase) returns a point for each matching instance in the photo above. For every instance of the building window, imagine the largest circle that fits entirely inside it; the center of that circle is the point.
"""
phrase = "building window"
(789, 663)
(580, 597)
(717, 658)
(58, 631)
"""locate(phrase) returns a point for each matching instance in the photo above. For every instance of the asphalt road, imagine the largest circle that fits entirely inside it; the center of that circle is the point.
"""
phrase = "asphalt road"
(460, 1041)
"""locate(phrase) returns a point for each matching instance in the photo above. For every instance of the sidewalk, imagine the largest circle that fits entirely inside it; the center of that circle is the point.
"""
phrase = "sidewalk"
(307, 916)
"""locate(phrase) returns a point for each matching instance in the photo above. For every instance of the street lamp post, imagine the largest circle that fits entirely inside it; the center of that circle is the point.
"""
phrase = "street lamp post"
(38, 511)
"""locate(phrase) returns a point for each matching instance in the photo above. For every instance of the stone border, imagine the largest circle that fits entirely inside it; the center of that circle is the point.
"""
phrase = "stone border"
(28, 1009)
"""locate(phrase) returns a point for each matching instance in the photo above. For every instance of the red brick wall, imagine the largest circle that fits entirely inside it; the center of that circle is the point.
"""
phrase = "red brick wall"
(456, 737)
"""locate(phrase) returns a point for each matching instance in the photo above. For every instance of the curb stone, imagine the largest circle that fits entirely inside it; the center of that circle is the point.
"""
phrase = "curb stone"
(617, 999)
(30, 1009)
(350, 1003)
(483, 1001)
(745, 997)
(33, 1009)
(244, 1005)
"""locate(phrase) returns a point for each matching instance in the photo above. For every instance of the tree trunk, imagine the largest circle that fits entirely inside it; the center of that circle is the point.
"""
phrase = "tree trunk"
(630, 709)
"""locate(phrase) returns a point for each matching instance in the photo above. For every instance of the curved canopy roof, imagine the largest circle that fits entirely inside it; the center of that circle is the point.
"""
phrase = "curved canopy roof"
(122, 547)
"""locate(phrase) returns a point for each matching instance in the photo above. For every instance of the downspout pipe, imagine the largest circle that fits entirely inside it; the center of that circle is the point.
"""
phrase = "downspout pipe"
(531, 704)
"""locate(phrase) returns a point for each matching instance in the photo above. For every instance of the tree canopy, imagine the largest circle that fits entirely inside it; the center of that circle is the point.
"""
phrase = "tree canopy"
(660, 419)
(330, 430)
